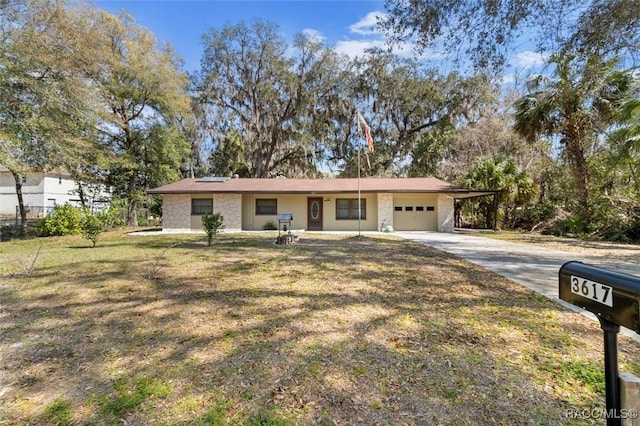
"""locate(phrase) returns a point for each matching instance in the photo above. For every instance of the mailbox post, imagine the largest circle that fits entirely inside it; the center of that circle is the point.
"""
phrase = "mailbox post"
(615, 299)
(284, 222)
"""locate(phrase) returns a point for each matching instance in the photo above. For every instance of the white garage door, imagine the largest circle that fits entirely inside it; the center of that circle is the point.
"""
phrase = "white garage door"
(415, 214)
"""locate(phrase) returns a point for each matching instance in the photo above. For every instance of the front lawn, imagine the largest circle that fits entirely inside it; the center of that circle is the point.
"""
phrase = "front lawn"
(332, 330)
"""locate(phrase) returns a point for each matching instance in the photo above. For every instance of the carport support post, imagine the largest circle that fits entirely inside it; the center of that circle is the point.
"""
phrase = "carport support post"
(612, 383)
(495, 211)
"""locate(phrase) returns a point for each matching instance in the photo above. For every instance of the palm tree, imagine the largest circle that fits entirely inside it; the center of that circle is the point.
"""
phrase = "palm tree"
(626, 139)
(515, 188)
(629, 134)
(577, 106)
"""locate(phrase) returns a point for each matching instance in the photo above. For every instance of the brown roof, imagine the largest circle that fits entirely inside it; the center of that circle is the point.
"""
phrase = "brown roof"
(307, 186)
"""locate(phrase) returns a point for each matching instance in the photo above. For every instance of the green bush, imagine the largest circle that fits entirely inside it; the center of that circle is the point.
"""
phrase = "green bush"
(155, 206)
(571, 226)
(68, 220)
(112, 218)
(65, 220)
(532, 215)
(270, 226)
(212, 224)
(7, 233)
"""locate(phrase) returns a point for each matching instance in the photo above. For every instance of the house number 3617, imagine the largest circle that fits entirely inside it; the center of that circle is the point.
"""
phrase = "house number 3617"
(592, 290)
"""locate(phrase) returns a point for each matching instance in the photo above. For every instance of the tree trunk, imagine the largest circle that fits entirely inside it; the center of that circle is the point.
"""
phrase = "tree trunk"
(132, 213)
(83, 201)
(23, 212)
(582, 179)
(575, 151)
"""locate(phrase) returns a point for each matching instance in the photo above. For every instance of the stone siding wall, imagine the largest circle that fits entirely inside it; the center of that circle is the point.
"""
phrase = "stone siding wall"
(385, 210)
(176, 212)
(445, 213)
(230, 206)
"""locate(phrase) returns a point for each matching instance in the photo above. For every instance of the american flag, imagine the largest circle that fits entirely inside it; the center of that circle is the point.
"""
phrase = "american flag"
(363, 127)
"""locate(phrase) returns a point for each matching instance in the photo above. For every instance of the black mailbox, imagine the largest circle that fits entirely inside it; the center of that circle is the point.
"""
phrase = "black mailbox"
(284, 222)
(615, 299)
(610, 295)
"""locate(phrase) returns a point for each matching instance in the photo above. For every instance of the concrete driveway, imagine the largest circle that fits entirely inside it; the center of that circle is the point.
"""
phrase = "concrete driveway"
(531, 266)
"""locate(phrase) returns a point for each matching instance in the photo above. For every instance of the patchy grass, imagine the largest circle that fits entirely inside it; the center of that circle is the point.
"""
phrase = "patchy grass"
(59, 412)
(333, 330)
(627, 252)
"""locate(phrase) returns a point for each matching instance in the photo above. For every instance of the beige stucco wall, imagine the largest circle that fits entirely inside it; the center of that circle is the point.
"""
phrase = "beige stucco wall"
(297, 206)
(294, 204)
(371, 223)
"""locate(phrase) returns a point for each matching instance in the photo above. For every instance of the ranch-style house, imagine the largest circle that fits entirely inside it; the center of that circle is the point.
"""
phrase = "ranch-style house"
(403, 204)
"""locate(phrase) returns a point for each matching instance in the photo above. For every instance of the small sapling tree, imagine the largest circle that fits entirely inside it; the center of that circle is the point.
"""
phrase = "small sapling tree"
(212, 224)
(92, 225)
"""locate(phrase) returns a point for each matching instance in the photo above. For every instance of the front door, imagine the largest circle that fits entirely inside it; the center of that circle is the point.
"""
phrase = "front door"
(314, 214)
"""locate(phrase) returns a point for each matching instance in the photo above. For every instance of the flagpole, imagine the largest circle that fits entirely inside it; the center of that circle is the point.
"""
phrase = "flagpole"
(359, 202)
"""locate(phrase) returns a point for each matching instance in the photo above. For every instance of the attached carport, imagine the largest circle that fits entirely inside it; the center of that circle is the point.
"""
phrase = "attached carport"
(490, 213)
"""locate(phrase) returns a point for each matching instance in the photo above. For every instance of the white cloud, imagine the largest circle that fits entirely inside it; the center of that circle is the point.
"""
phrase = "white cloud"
(529, 59)
(353, 48)
(372, 37)
(507, 79)
(523, 66)
(431, 55)
(368, 24)
(313, 34)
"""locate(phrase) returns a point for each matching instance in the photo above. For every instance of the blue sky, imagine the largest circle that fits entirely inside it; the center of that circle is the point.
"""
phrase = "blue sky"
(348, 26)
(182, 23)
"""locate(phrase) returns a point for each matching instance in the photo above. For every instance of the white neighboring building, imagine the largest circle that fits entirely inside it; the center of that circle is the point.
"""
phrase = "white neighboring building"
(43, 191)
